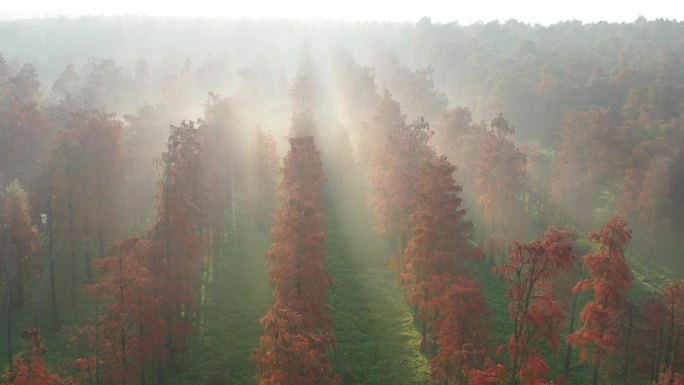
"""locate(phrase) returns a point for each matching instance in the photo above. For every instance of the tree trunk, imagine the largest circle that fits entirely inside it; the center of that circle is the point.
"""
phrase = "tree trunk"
(72, 242)
(625, 371)
(568, 349)
(8, 296)
(53, 294)
(594, 379)
(88, 262)
(18, 292)
(97, 342)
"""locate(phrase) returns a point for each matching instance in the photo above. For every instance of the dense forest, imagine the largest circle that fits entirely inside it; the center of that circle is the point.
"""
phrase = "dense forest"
(209, 201)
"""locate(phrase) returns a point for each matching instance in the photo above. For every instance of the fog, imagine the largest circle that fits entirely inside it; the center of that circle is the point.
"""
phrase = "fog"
(218, 201)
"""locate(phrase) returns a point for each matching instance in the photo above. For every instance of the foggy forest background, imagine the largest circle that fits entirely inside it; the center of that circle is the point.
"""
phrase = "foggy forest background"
(205, 201)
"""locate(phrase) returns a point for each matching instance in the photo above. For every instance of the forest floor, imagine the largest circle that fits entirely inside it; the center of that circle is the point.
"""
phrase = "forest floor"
(377, 342)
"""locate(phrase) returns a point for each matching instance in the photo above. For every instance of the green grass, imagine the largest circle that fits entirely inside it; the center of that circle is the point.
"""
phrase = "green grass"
(238, 295)
(377, 342)
(36, 312)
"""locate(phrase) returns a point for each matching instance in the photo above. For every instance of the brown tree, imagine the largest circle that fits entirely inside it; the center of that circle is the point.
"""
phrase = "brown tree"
(438, 246)
(298, 327)
(537, 318)
(610, 281)
(18, 241)
(177, 245)
(31, 368)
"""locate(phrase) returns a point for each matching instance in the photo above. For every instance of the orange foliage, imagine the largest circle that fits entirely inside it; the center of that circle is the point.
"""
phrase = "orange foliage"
(23, 241)
(177, 240)
(31, 369)
(459, 332)
(400, 150)
(489, 374)
(298, 328)
(610, 281)
(500, 180)
(537, 317)
(130, 331)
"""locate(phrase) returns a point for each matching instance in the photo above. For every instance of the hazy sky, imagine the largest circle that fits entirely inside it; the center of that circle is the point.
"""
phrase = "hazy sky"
(466, 12)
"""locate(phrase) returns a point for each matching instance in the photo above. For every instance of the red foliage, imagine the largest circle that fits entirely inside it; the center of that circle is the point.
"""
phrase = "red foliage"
(298, 328)
(665, 327)
(500, 180)
(459, 332)
(86, 168)
(177, 240)
(399, 152)
(31, 368)
(669, 378)
(490, 374)
(610, 281)
(290, 353)
(655, 197)
(298, 249)
(23, 241)
(592, 152)
(97, 138)
(25, 130)
(439, 242)
(130, 334)
(537, 317)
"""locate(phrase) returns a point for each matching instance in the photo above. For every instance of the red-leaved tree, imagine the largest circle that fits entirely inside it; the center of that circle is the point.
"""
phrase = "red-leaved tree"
(30, 369)
(611, 279)
(298, 327)
(177, 241)
(536, 315)
(460, 332)
(439, 244)
(130, 331)
(399, 152)
(18, 241)
(665, 329)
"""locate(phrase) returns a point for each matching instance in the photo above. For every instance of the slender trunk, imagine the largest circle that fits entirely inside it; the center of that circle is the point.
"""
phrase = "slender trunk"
(8, 296)
(654, 368)
(675, 364)
(670, 337)
(100, 240)
(594, 378)
(514, 372)
(18, 292)
(160, 373)
(659, 349)
(86, 227)
(97, 342)
(625, 371)
(122, 304)
(72, 243)
(573, 315)
(53, 294)
(141, 334)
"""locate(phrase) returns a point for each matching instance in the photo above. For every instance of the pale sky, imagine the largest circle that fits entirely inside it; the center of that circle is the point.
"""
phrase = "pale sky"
(466, 12)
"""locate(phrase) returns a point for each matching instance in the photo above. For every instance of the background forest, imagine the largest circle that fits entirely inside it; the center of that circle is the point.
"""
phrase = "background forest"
(205, 201)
